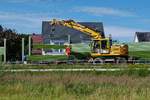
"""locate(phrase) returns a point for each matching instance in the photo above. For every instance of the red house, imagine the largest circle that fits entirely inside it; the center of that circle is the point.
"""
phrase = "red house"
(37, 39)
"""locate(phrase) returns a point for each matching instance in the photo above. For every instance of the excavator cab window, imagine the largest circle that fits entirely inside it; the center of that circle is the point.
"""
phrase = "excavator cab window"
(104, 44)
(94, 46)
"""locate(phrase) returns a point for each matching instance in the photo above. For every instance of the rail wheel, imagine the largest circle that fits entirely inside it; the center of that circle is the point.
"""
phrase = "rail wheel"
(98, 61)
(121, 60)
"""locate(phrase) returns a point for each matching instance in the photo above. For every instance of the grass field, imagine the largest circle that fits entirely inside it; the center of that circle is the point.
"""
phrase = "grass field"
(73, 66)
(132, 47)
(47, 57)
(141, 54)
(75, 86)
(141, 50)
(46, 46)
(143, 46)
(81, 47)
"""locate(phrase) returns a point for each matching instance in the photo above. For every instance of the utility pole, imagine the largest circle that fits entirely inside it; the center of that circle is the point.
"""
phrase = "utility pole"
(22, 49)
(29, 49)
(4, 50)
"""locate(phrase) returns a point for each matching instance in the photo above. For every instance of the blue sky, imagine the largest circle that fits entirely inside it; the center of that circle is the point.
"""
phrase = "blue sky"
(121, 18)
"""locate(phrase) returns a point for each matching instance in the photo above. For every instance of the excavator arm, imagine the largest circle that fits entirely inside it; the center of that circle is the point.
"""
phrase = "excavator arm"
(72, 24)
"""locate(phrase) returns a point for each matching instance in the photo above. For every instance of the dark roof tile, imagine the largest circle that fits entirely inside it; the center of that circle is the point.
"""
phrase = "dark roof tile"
(143, 36)
(61, 32)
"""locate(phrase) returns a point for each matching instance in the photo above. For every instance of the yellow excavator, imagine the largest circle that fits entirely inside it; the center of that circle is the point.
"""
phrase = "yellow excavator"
(101, 47)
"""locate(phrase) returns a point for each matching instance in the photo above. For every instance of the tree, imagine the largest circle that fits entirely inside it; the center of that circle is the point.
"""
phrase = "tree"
(13, 48)
(1, 28)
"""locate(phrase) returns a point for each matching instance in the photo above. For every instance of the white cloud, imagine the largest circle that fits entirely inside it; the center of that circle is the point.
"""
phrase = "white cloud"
(100, 11)
(30, 17)
(23, 1)
(24, 22)
(16, 1)
(122, 33)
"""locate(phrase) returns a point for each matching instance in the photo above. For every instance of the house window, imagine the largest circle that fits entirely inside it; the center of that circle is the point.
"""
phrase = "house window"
(61, 43)
(57, 43)
(56, 50)
(51, 35)
(61, 51)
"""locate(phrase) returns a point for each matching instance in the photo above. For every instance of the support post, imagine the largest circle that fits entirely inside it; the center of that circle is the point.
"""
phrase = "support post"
(69, 39)
(29, 49)
(4, 50)
(22, 49)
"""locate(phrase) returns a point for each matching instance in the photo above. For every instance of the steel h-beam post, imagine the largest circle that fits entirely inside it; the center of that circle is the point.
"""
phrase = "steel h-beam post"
(4, 50)
(69, 39)
(22, 49)
(29, 49)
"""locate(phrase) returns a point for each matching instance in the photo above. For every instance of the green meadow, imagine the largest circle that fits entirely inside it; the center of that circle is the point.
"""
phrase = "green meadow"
(127, 85)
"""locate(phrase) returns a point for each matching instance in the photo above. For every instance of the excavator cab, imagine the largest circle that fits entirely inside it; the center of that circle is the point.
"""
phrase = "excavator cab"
(101, 46)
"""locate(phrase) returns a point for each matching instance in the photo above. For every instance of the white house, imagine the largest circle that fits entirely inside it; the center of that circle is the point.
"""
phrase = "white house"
(55, 51)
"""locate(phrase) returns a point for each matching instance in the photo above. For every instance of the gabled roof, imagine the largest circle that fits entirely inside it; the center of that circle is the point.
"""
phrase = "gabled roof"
(143, 36)
(61, 32)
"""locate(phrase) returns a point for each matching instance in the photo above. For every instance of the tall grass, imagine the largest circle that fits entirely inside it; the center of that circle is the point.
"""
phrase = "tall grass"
(76, 66)
(73, 86)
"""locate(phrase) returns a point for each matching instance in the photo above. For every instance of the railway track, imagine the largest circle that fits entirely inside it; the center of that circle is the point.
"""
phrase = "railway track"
(143, 61)
(68, 70)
